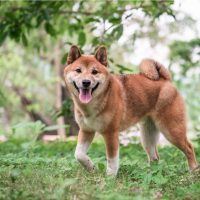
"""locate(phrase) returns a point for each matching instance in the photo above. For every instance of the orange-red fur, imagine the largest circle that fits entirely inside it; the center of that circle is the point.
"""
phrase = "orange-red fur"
(124, 100)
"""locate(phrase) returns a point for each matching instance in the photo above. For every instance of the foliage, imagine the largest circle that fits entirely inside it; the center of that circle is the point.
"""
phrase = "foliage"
(33, 76)
(185, 57)
(76, 17)
(20, 130)
(49, 171)
(186, 53)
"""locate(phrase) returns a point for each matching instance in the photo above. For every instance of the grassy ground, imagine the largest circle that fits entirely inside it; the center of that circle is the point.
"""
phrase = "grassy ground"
(49, 171)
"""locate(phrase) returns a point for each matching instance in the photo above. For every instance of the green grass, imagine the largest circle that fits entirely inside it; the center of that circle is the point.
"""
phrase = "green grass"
(49, 171)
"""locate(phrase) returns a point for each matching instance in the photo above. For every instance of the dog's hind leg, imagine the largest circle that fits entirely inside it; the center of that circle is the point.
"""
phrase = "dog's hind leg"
(172, 122)
(177, 136)
(149, 138)
(84, 141)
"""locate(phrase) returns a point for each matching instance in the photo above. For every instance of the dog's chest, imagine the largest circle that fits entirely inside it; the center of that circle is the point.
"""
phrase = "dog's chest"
(91, 123)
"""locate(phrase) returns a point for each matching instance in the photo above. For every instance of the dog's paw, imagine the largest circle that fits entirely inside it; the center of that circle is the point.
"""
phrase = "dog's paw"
(91, 168)
(196, 169)
(111, 172)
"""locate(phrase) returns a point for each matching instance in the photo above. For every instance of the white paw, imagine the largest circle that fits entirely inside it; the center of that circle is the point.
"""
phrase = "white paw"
(111, 172)
(196, 169)
(91, 168)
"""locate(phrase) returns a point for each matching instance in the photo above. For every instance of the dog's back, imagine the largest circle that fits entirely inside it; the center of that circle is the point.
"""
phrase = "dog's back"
(144, 96)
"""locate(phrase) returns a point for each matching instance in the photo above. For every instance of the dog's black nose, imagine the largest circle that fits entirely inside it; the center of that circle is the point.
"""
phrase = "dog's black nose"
(86, 83)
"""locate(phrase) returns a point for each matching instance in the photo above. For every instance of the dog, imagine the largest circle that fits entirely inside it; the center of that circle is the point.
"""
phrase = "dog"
(107, 104)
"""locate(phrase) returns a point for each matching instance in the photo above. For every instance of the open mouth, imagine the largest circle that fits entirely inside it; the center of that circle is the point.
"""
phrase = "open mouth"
(85, 94)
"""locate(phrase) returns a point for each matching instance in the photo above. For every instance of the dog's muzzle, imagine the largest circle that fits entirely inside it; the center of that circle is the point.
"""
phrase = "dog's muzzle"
(85, 92)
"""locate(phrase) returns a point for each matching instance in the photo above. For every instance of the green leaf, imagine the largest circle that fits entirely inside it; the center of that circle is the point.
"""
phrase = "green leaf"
(2, 36)
(91, 19)
(95, 41)
(81, 38)
(54, 127)
(50, 29)
(123, 69)
(39, 20)
(22, 125)
(101, 166)
(115, 20)
(118, 31)
(24, 39)
(147, 180)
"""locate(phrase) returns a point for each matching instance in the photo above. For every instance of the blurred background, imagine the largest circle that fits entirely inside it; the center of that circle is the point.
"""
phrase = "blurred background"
(35, 37)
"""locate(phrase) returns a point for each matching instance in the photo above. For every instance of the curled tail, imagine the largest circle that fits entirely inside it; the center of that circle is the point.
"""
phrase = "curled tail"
(154, 70)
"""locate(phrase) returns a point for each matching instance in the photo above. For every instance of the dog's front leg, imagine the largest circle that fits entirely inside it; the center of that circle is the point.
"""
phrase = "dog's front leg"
(84, 141)
(112, 151)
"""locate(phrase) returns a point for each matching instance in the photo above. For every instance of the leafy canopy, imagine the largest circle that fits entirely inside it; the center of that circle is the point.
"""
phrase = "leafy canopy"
(19, 18)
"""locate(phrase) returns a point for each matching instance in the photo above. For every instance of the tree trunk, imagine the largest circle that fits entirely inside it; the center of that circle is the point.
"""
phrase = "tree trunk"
(60, 120)
(35, 116)
(69, 117)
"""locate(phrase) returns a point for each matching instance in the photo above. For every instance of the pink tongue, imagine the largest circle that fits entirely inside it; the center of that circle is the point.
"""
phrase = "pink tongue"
(85, 95)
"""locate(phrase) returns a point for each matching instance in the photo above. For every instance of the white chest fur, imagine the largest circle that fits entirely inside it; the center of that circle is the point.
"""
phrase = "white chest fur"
(91, 123)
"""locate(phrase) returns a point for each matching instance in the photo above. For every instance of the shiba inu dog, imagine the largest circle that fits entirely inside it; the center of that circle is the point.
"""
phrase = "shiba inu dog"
(107, 104)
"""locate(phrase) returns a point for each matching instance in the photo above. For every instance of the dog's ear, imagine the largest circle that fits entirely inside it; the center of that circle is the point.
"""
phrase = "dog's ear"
(101, 55)
(74, 53)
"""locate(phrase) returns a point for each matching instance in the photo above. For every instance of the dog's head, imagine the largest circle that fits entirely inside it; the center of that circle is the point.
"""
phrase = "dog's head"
(86, 75)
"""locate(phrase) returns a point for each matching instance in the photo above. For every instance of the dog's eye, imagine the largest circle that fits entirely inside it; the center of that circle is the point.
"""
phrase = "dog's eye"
(94, 71)
(78, 70)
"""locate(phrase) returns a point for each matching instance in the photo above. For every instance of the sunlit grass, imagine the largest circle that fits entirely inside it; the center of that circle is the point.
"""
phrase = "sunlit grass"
(49, 171)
